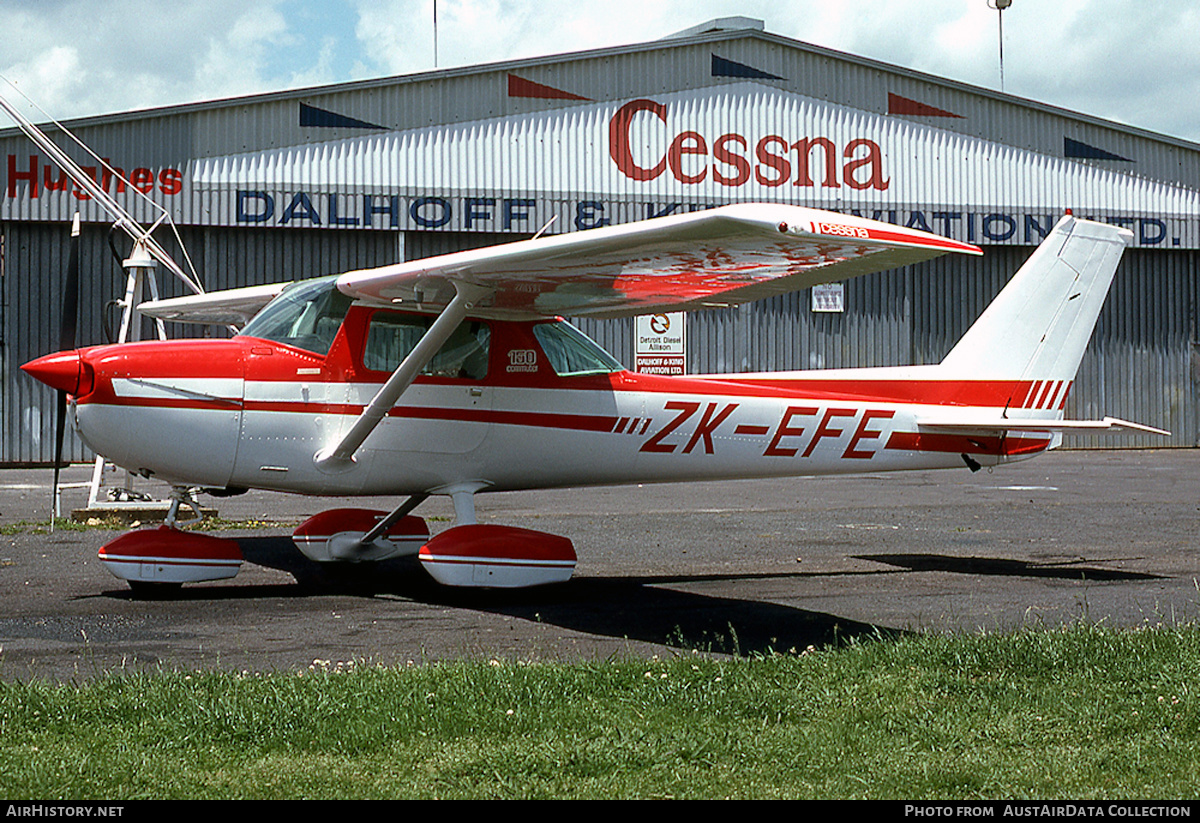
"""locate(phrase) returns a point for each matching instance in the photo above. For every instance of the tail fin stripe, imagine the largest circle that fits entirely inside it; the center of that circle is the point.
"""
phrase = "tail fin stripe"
(1041, 395)
(1063, 403)
(1058, 384)
(1041, 398)
(1028, 401)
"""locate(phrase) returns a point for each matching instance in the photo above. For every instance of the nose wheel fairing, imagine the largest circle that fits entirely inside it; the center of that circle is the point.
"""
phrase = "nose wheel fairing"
(169, 556)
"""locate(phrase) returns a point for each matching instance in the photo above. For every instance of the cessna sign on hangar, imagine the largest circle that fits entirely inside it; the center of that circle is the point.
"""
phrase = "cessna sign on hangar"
(637, 159)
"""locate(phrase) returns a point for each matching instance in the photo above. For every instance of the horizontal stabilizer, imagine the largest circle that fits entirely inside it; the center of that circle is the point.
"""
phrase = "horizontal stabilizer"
(1109, 425)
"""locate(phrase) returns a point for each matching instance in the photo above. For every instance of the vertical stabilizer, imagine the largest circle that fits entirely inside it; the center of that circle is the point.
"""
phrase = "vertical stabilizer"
(1037, 328)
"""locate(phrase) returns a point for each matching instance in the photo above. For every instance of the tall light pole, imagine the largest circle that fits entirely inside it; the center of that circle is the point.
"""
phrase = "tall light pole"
(1000, 6)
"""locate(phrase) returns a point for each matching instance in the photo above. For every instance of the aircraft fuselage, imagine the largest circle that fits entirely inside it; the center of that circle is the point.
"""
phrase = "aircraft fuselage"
(251, 412)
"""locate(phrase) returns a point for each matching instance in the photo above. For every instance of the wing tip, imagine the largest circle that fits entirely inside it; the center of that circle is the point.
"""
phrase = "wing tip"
(836, 225)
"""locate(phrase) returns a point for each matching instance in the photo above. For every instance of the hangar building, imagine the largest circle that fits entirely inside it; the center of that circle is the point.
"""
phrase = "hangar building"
(302, 183)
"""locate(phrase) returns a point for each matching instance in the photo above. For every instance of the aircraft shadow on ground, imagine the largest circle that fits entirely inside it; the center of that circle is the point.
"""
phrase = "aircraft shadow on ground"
(633, 608)
(1003, 567)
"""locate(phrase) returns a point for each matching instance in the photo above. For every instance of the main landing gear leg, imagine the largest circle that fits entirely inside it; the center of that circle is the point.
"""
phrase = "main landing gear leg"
(156, 561)
(397, 514)
(464, 507)
(182, 495)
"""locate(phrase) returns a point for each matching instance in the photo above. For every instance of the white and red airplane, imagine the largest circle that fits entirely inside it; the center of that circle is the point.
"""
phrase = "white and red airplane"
(456, 375)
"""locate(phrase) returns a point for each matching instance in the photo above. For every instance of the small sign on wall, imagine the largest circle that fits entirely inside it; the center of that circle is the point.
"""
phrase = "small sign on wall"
(660, 344)
(828, 297)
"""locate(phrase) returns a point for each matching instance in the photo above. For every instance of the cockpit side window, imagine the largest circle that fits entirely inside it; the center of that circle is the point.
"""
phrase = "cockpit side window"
(307, 316)
(390, 337)
(571, 352)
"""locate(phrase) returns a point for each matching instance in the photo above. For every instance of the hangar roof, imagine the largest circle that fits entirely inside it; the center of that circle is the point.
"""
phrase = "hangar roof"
(740, 31)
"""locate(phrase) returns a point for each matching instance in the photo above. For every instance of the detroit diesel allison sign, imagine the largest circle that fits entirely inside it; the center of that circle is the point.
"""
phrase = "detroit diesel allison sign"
(660, 343)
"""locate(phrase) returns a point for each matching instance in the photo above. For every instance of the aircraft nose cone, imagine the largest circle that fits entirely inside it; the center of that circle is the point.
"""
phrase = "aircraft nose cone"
(61, 371)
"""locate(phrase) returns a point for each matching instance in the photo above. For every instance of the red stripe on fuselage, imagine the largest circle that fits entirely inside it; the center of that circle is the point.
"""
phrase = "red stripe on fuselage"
(995, 393)
(552, 420)
(556, 420)
(980, 393)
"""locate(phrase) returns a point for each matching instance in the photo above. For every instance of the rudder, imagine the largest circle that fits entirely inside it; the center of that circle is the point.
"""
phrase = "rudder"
(1038, 327)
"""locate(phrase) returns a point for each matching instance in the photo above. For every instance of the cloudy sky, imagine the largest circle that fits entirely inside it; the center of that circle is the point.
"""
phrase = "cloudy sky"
(1133, 61)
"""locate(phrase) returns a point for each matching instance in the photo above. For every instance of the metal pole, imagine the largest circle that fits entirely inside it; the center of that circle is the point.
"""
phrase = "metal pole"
(1000, 17)
(1000, 6)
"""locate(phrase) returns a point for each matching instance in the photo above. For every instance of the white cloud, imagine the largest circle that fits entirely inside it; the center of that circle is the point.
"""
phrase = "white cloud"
(1120, 59)
(82, 57)
(51, 72)
(396, 35)
(232, 62)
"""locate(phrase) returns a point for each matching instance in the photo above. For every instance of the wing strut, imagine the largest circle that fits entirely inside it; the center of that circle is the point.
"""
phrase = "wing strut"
(341, 456)
(397, 514)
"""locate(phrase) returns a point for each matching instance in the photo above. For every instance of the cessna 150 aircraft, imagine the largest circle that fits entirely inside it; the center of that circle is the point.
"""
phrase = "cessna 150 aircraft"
(456, 375)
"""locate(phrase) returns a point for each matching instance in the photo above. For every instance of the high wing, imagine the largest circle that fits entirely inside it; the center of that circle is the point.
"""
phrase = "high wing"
(708, 259)
(231, 307)
(719, 257)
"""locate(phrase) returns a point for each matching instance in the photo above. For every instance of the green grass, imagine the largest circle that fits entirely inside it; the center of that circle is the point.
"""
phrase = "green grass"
(1081, 713)
(118, 524)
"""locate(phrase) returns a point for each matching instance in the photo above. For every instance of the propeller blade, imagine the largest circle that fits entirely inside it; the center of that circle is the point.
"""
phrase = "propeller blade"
(60, 429)
(66, 342)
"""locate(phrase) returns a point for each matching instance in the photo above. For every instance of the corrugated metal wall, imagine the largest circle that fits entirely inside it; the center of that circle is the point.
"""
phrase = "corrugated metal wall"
(1142, 364)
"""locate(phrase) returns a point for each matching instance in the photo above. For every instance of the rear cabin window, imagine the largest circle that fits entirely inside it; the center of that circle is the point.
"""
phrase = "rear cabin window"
(390, 337)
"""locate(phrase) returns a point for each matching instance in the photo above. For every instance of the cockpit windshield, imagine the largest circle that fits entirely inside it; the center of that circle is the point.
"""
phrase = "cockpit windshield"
(306, 315)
